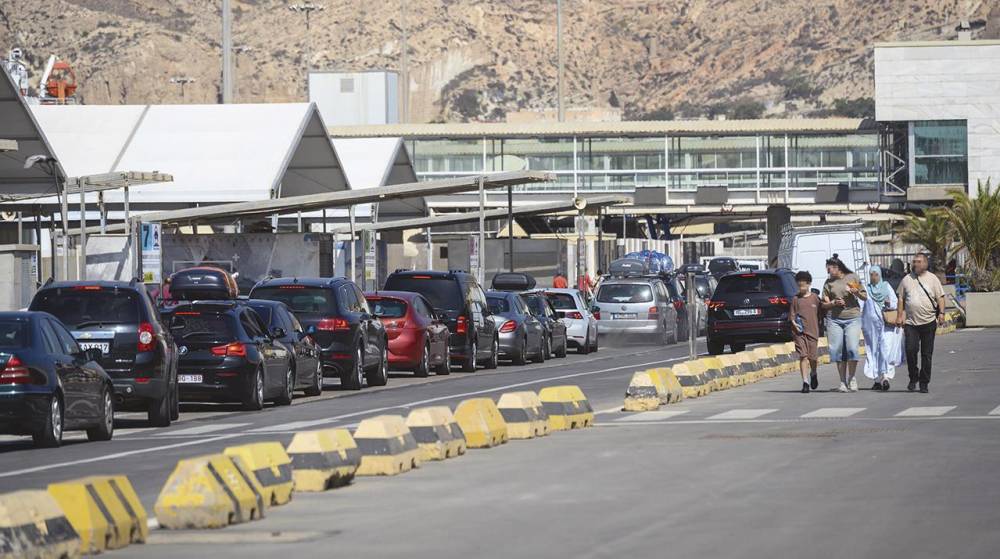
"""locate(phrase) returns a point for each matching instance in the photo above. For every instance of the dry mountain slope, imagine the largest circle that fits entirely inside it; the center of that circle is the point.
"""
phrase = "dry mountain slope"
(477, 59)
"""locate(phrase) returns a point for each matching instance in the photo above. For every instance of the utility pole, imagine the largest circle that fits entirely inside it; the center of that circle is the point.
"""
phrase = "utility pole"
(181, 81)
(307, 8)
(227, 53)
(404, 64)
(559, 55)
(237, 51)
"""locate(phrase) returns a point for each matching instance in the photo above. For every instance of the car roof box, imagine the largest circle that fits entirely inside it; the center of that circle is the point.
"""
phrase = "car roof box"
(513, 281)
(201, 284)
(630, 267)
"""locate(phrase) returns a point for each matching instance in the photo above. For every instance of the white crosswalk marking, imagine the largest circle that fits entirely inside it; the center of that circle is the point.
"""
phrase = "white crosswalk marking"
(202, 429)
(743, 414)
(832, 412)
(996, 411)
(653, 415)
(927, 411)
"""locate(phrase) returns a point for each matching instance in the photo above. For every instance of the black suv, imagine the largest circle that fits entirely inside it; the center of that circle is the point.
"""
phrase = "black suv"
(120, 319)
(460, 302)
(352, 341)
(750, 307)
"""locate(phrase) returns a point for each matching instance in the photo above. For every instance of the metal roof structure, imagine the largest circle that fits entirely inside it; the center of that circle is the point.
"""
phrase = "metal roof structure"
(374, 162)
(216, 153)
(17, 124)
(312, 202)
(611, 129)
(470, 217)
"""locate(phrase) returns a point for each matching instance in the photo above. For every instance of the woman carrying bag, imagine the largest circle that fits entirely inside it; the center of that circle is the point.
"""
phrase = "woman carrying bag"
(883, 339)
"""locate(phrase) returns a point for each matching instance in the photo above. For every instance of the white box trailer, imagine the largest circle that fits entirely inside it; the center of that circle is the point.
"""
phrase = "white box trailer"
(808, 248)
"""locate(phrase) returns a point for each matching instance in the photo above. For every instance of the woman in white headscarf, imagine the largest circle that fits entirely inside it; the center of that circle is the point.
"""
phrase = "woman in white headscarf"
(883, 340)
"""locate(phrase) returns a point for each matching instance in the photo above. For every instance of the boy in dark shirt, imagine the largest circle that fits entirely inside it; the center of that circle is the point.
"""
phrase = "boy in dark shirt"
(804, 315)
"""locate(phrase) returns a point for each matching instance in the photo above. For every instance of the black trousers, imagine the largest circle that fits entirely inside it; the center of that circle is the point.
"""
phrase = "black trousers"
(920, 339)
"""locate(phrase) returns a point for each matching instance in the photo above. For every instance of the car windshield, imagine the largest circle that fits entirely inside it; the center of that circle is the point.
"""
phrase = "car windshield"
(536, 304)
(497, 305)
(749, 283)
(193, 325)
(86, 306)
(13, 334)
(443, 293)
(299, 298)
(625, 293)
(720, 265)
(562, 301)
(387, 308)
(264, 311)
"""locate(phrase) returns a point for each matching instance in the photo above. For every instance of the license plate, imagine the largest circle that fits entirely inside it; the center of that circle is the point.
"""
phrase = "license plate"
(189, 379)
(623, 316)
(103, 346)
(746, 312)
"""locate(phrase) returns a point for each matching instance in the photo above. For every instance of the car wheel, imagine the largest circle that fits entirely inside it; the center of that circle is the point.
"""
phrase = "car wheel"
(288, 390)
(255, 392)
(316, 388)
(544, 350)
(584, 348)
(716, 347)
(158, 413)
(380, 376)
(445, 367)
(494, 360)
(175, 403)
(736, 348)
(469, 366)
(104, 430)
(355, 377)
(424, 366)
(561, 352)
(51, 432)
(673, 337)
(522, 356)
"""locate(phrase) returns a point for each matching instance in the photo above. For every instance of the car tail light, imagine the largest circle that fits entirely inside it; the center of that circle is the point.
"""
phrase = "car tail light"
(235, 349)
(654, 312)
(678, 305)
(86, 288)
(716, 305)
(142, 380)
(778, 301)
(508, 327)
(16, 373)
(147, 341)
(333, 325)
(462, 326)
(574, 315)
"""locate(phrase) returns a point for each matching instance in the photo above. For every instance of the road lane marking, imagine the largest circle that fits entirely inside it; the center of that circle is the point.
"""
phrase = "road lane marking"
(830, 413)
(743, 414)
(996, 411)
(794, 420)
(653, 415)
(204, 429)
(926, 411)
(293, 426)
(114, 456)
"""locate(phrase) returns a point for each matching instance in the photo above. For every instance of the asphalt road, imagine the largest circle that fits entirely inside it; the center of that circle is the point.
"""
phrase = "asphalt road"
(756, 471)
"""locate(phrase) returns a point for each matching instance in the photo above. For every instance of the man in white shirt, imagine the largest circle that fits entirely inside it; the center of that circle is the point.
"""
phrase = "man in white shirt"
(921, 307)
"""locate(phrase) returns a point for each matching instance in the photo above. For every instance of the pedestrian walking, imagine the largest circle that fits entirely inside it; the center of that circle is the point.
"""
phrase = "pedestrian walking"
(883, 339)
(843, 297)
(921, 309)
(804, 316)
(559, 281)
(584, 283)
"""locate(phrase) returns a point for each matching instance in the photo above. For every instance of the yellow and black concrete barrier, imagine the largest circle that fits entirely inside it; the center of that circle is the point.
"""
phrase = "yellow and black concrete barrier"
(104, 511)
(270, 469)
(323, 459)
(482, 423)
(210, 491)
(387, 446)
(33, 525)
(567, 407)
(524, 414)
(438, 435)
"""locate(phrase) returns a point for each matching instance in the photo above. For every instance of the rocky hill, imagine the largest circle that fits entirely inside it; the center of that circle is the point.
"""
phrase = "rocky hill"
(479, 59)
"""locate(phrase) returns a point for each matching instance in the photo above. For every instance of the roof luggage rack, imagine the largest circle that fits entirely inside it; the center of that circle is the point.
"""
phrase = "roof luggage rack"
(513, 281)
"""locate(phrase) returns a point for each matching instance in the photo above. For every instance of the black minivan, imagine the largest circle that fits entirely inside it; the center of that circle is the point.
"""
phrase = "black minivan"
(750, 307)
(120, 319)
(460, 302)
(334, 312)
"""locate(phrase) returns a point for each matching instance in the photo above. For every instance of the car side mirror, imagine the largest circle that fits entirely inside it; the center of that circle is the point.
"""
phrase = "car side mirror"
(278, 332)
(93, 354)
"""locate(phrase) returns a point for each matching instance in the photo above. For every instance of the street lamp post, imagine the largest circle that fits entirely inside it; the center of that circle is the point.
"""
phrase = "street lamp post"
(227, 52)
(307, 8)
(182, 81)
(559, 55)
(237, 51)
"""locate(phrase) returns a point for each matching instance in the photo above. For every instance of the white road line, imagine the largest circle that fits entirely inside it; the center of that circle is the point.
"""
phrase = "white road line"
(927, 411)
(606, 411)
(653, 415)
(114, 456)
(794, 420)
(207, 428)
(293, 426)
(828, 413)
(743, 414)
(996, 411)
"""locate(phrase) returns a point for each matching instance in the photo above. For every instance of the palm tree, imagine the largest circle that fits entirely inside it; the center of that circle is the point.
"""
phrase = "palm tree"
(933, 232)
(976, 222)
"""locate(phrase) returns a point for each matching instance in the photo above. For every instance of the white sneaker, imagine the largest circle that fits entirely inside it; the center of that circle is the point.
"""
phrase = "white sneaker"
(843, 388)
(853, 386)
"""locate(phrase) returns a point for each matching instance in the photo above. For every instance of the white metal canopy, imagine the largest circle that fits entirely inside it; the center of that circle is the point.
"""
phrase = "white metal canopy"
(374, 162)
(18, 125)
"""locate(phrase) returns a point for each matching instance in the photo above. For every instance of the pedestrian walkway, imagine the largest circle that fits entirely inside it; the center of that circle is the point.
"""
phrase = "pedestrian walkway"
(777, 414)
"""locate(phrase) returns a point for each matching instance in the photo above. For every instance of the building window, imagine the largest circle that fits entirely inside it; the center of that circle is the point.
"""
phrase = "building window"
(940, 152)
(347, 85)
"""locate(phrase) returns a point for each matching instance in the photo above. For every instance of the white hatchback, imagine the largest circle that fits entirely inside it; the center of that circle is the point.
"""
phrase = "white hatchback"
(581, 325)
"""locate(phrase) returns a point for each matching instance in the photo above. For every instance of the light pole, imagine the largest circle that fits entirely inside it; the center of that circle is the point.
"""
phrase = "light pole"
(182, 81)
(307, 8)
(227, 53)
(237, 51)
(404, 63)
(559, 55)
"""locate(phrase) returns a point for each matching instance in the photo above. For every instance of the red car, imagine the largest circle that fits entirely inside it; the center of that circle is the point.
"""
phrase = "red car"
(418, 340)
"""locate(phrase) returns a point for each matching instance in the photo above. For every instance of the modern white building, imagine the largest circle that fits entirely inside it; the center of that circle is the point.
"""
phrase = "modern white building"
(939, 105)
(354, 98)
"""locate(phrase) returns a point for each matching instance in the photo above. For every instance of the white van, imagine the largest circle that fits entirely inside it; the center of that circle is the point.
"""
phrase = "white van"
(807, 248)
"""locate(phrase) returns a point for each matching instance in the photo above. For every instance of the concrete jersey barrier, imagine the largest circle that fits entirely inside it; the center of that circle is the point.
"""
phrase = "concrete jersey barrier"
(437, 433)
(387, 446)
(481, 422)
(524, 414)
(104, 510)
(210, 491)
(33, 525)
(270, 469)
(323, 459)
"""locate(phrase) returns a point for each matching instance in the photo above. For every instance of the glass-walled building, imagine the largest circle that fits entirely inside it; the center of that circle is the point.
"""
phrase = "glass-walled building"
(758, 155)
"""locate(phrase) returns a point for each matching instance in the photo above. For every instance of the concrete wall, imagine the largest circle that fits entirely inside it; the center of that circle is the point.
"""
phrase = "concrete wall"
(954, 80)
(17, 277)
